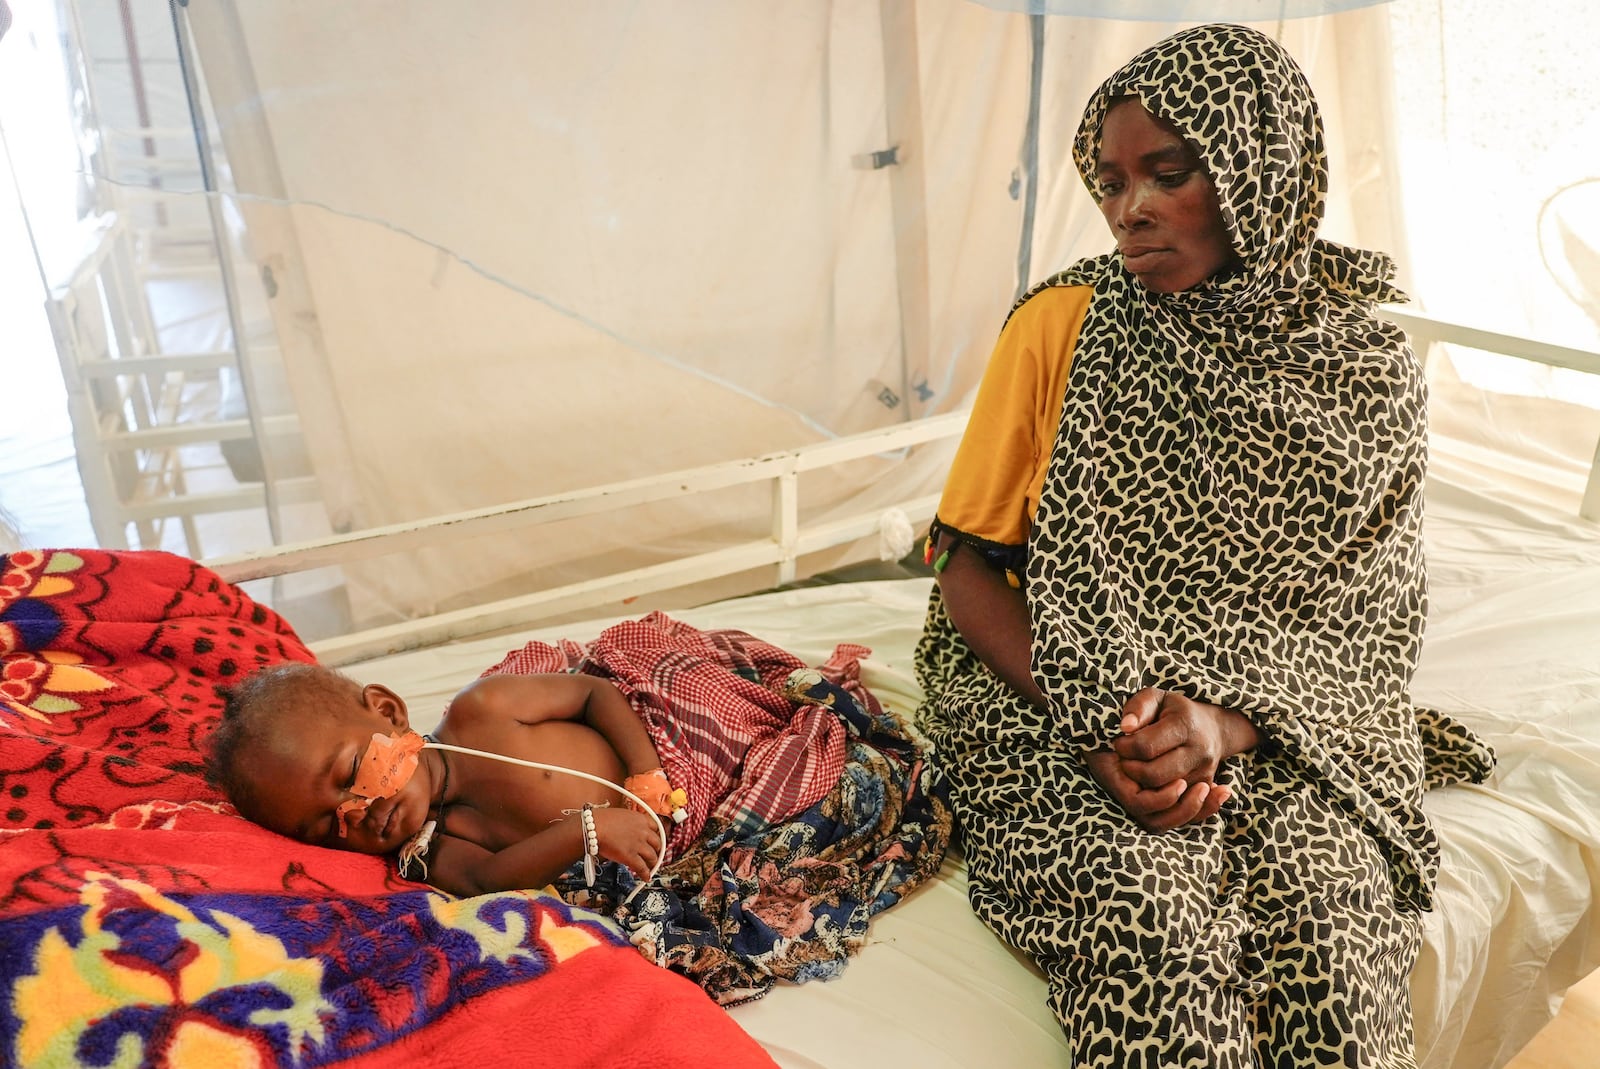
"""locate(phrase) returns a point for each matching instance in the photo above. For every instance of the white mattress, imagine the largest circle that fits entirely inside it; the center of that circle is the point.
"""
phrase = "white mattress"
(1513, 648)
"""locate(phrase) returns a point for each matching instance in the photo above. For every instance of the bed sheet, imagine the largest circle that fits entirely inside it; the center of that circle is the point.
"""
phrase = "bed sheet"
(1513, 648)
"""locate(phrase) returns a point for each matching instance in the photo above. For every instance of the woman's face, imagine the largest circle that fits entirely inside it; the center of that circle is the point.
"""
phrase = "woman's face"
(1159, 201)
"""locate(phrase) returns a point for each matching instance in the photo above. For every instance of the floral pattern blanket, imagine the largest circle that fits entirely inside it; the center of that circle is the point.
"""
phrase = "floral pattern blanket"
(811, 808)
(143, 923)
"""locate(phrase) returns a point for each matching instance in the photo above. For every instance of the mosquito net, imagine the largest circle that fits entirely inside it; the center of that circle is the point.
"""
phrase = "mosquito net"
(313, 268)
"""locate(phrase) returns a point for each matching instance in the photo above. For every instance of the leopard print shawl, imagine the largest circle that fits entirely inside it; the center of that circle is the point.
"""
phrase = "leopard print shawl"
(1234, 503)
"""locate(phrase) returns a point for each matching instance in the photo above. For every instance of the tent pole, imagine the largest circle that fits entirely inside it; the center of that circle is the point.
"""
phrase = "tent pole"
(907, 191)
(1030, 153)
(224, 248)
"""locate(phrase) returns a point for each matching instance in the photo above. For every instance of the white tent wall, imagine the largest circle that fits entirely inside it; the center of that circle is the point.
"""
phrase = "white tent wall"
(1495, 126)
(578, 246)
(540, 247)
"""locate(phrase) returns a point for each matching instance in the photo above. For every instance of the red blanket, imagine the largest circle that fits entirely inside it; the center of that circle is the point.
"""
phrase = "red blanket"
(139, 915)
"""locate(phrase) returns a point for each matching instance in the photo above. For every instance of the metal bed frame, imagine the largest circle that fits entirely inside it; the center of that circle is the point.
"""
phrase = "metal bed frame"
(789, 538)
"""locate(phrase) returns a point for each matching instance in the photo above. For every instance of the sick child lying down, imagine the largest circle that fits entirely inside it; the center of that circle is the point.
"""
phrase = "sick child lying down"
(314, 755)
(785, 806)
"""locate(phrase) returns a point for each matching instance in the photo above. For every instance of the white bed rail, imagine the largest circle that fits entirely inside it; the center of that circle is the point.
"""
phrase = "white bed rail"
(788, 540)
(1426, 331)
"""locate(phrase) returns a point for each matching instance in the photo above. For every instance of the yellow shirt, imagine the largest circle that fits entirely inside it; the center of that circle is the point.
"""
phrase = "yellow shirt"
(992, 492)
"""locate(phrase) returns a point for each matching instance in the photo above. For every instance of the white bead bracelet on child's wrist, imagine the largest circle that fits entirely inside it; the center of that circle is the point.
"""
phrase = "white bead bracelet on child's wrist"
(591, 843)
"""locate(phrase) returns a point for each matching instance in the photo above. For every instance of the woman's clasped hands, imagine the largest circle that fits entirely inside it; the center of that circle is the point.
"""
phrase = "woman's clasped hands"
(1162, 769)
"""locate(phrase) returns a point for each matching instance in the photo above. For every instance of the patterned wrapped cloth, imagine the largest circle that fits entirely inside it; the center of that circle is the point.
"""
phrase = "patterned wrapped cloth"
(811, 807)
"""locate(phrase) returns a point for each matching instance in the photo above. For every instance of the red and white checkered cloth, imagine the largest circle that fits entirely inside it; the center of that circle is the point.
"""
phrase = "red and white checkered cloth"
(714, 706)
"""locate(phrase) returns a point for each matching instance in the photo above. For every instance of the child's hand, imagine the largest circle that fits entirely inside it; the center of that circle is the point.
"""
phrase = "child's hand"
(629, 838)
(1168, 737)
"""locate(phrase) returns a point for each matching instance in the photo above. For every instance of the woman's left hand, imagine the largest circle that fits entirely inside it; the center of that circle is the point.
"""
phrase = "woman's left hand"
(1162, 770)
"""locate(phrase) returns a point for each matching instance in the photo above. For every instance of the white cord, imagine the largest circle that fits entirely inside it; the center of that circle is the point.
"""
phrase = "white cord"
(660, 828)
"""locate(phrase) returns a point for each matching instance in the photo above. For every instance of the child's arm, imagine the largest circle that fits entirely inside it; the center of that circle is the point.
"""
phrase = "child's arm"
(465, 868)
(501, 701)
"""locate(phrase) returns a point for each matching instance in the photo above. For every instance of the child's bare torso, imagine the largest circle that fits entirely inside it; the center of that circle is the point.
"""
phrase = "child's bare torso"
(496, 804)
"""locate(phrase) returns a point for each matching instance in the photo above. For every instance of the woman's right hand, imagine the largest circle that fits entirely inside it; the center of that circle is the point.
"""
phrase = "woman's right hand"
(629, 838)
(1160, 808)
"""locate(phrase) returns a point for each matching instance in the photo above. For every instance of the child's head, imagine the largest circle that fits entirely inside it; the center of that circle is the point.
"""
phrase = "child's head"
(287, 753)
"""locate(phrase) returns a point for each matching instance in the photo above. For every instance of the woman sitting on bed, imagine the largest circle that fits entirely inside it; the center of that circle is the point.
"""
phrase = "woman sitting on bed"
(796, 806)
(1181, 597)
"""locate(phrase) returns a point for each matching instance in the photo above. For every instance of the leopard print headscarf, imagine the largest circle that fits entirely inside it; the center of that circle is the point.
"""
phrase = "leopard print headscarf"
(1233, 506)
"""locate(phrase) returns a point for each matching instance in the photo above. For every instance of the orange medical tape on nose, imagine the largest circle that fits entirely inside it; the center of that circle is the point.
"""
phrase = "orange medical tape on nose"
(386, 767)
